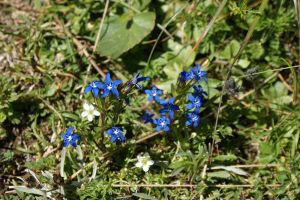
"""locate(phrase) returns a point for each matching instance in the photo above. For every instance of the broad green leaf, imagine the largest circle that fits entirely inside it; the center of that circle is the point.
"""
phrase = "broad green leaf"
(121, 33)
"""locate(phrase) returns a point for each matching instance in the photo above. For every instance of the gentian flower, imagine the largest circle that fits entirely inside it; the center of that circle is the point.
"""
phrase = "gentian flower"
(148, 117)
(198, 73)
(70, 138)
(198, 91)
(162, 124)
(89, 112)
(193, 118)
(169, 107)
(109, 86)
(144, 162)
(94, 86)
(154, 93)
(116, 135)
(185, 76)
(196, 103)
(136, 79)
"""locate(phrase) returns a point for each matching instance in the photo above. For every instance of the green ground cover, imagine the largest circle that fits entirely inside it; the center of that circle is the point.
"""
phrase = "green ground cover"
(244, 146)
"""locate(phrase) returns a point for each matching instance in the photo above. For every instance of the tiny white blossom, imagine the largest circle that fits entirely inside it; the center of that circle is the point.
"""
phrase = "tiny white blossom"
(89, 112)
(144, 162)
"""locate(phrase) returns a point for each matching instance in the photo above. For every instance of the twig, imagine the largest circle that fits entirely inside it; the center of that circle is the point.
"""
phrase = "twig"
(189, 185)
(207, 28)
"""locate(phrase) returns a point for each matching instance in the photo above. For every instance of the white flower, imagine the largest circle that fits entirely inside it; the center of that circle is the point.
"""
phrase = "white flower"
(144, 162)
(89, 112)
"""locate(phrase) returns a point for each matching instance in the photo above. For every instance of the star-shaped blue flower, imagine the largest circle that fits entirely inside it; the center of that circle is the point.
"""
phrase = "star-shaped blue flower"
(109, 86)
(198, 73)
(162, 124)
(116, 135)
(195, 102)
(136, 79)
(94, 86)
(148, 117)
(192, 119)
(154, 93)
(185, 76)
(169, 107)
(69, 137)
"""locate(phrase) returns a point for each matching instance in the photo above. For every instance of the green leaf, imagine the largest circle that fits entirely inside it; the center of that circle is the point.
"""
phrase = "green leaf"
(121, 33)
(235, 170)
(219, 174)
(143, 196)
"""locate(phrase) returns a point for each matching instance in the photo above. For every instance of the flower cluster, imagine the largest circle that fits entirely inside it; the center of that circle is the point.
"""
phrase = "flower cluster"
(104, 89)
(188, 79)
(196, 99)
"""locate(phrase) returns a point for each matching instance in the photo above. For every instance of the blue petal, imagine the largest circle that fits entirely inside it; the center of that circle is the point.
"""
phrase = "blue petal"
(95, 92)
(75, 137)
(188, 122)
(163, 110)
(115, 92)
(150, 98)
(171, 113)
(158, 128)
(121, 136)
(73, 143)
(105, 93)
(107, 78)
(109, 132)
(70, 130)
(191, 97)
(189, 106)
(148, 92)
(195, 124)
(166, 128)
(100, 85)
(116, 82)
(175, 107)
(66, 143)
(171, 100)
(87, 89)
(113, 138)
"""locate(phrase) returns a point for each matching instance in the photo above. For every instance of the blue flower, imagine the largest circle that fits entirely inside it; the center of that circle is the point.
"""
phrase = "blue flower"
(198, 73)
(148, 117)
(162, 124)
(169, 107)
(109, 86)
(70, 138)
(116, 135)
(94, 86)
(136, 79)
(198, 91)
(154, 93)
(185, 76)
(193, 118)
(195, 102)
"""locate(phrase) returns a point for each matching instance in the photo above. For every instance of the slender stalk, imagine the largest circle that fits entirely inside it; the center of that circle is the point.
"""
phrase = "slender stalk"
(230, 66)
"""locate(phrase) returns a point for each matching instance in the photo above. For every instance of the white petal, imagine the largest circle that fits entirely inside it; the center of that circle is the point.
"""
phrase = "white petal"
(150, 162)
(146, 154)
(86, 106)
(146, 168)
(139, 164)
(90, 117)
(84, 114)
(96, 113)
